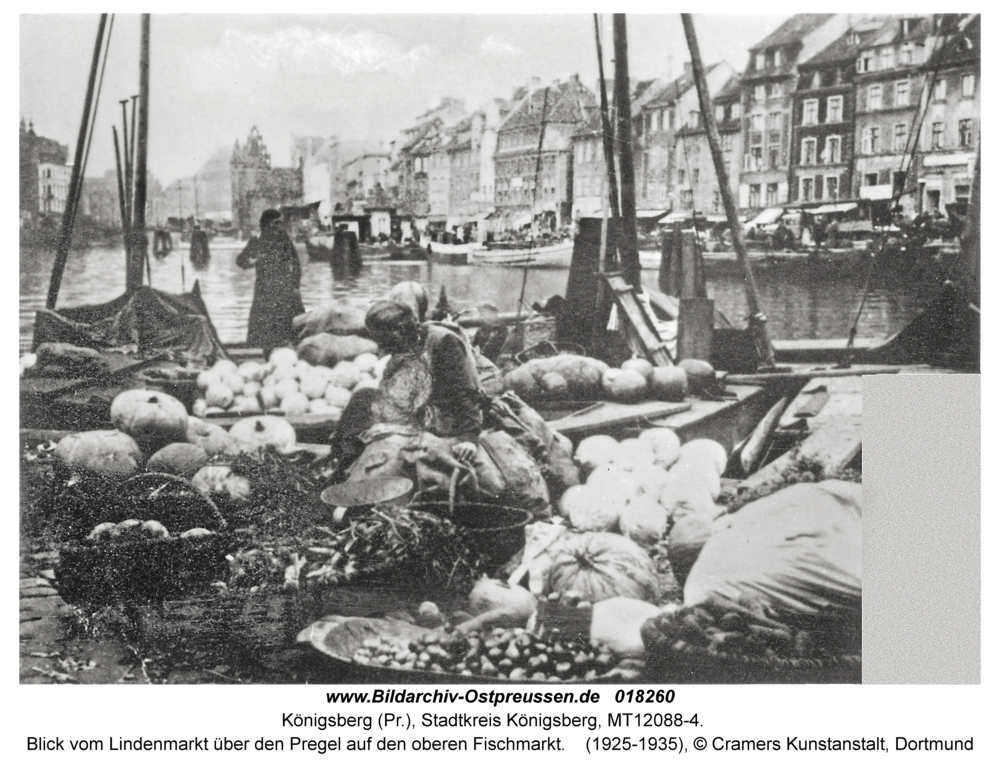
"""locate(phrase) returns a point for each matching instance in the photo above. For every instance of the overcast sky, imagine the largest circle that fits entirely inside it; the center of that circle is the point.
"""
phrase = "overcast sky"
(360, 77)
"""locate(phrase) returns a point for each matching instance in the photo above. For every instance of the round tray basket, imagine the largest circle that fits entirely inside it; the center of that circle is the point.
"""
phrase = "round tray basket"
(173, 501)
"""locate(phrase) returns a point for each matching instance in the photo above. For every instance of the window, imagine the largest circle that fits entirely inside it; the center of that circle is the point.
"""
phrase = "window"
(773, 154)
(680, 177)
(899, 137)
(903, 93)
(834, 109)
(937, 136)
(693, 119)
(832, 152)
(759, 61)
(727, 142)
(962, 192)
(777, 58)
(871, 180)
(906, 54)
(965, 132)
(874, 97)
(832, 187)
(886, 59)
(869, 141)
(695, 173)
(754, 196)
(810, 112)
(772, 195)
(760, 92)
(864, 62)
(734, 110)
(756, 123)
(809, 152)
(774, 91)
(755, 160)
(968, 86)
(716, 201)
(807, 189)
(941, 90)
(720, 113)
(655, 121)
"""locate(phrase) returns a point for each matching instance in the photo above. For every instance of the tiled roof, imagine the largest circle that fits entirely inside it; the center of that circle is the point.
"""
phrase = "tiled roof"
(673, 90)
(793, 29)
(565, 104)
(962, 46)
(842, 48)
(730, 90)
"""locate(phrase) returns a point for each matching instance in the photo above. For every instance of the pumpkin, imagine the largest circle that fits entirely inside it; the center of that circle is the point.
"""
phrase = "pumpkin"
(251, 388)
(320, 406)
(624, 386)
(198, 407)
(632, 454)
(665, 444)
(700, 373)
(643, 520)
(234, 382)
(586, 510)
(523, 383)
(492, 594)
(555, 386)
(595, 450)
(243, 404)
(282, 356)
(219, 479)
(612, 483)
(705, 450)
(206, 378)
(336, 396)
(640, 366)
(212, 438)
(345, 374)
(223, 367)
(600, 565)
(295, 404)
(367, 361)
(268, 397)
(153, 418)
(183, 459)
(286, 387)
(313, 385)
(668, 383)
(258, 432)
(281, 372)
(107, 453)
(651, 479)
(697, 474)
(219, 395)
(251, 371)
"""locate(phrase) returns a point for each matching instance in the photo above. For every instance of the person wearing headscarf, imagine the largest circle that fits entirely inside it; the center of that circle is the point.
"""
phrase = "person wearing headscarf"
(276, 297)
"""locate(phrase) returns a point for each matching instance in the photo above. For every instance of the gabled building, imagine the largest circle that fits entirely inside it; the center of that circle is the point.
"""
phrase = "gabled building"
(257, 186)
(519, 160)
(890, 89)
(45, 173)
(654, 121)
(950, 131)
(697, 187)
(768, 83)
(822, 143)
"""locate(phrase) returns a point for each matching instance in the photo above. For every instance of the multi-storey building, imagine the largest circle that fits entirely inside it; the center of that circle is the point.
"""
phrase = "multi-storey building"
(654, 120)
(822, 144)
(889, 94)
(322, 176)
(697, 187)
(366, 175)
(463, 153)
(589, 169)
(768, 83)
(519, 160)
(44, 173)
(950, 131)
(257, 186)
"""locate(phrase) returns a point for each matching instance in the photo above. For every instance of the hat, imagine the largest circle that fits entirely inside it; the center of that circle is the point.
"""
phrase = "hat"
(270, 215)
(384, 316)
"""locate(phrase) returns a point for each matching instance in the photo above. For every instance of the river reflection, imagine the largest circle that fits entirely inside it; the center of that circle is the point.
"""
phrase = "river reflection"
(806, 306)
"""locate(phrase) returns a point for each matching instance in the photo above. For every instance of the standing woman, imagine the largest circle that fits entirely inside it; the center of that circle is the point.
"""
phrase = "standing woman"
(276, 297)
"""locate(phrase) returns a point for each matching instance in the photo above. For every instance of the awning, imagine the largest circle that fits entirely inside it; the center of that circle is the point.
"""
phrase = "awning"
(650, 213)
(520, 220)
(831, 208)
(676, 217)
(767, 216)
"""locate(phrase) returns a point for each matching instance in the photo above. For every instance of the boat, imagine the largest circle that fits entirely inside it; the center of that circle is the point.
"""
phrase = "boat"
(455, 254)
(557, 255)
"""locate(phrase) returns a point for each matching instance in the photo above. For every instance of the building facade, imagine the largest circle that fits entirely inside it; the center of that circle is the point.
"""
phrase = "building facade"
(950, 131)
(257, 186)
(768, 83)
(530, 150)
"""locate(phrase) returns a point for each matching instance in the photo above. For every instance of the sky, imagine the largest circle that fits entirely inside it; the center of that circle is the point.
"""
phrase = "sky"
(360, 77)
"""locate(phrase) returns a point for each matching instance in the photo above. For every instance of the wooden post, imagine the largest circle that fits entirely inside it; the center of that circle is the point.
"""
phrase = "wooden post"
(765, 352)
(696, 313)
(608, 134)
(139, 250)
(629, 246)
(76, 176)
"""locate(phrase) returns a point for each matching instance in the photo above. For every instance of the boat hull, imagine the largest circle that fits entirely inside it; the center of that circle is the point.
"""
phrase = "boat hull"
(448, 253)
(557, 256)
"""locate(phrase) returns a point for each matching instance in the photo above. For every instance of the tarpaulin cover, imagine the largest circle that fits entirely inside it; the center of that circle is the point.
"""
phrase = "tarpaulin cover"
(145, 321)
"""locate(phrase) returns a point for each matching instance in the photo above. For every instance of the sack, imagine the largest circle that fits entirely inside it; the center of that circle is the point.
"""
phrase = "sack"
(330, 349)
(794, 554)
(390, 452)
(337, 316)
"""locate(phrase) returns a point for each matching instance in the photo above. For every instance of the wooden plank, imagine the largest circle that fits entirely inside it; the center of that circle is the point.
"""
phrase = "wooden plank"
(642, 334)
(818, 398)
(812, 373)
(694, 328)
(614, 415)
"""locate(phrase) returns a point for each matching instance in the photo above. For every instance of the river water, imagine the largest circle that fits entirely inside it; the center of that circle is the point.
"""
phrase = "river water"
(799, 306)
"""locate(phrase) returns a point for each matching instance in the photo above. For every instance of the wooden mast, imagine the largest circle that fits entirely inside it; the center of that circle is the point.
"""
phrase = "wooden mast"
(607, 133)
(629, 247)
(76, 176)
(138, 251)
(757, 320)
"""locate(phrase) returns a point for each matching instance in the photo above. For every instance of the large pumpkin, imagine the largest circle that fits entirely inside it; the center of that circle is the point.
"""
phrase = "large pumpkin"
(624, 386)
(668, 383)
(183, 459)
(212, 438)
(600, 565)
(152, 418)
(107, 453)
(259, 432)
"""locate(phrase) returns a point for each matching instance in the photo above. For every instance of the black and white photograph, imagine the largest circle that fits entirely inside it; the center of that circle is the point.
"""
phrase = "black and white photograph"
(477, 349)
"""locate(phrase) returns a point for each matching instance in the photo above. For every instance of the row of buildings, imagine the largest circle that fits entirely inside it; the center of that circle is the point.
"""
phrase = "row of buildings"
(829, 109)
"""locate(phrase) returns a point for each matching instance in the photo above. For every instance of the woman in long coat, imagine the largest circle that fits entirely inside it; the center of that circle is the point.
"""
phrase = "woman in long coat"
(276, 297)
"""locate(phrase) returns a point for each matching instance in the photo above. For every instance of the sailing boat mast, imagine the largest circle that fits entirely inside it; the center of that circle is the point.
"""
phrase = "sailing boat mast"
(765, 352)
(138, 251)
(629, 245)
